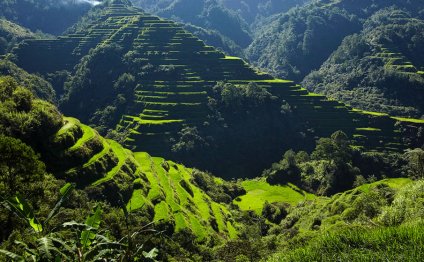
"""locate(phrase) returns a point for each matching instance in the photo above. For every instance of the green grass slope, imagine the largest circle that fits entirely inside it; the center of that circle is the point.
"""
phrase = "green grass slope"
(259, 191)
(146, 183)
(158, 190)
(381, 221)
(404, 243)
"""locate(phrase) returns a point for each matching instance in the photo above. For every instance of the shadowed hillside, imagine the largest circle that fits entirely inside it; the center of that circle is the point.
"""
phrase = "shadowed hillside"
(160, 79)
(76, 153)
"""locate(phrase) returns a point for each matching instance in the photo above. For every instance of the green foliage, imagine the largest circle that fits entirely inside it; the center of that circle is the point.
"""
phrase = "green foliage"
(56, 244)
(48, 16)
(373, 66)
(291, 44)
(190, 140)
(93, 222)
(361, 244)
(37, 85)
(285, 171)
(235, 97)
(21, 208)
(20, 168)
(25, 117)
(219, 190)
(415, 158)
(406, 206)
(335, 166)
(11, 34)
(274, 212)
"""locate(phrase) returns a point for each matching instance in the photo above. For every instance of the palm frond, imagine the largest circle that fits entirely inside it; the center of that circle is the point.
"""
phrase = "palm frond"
(65, 192)
(20, 207)
(92, 221)
(12, 255)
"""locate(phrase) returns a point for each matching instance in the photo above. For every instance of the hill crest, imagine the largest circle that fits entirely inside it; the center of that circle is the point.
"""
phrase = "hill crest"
(173, 75)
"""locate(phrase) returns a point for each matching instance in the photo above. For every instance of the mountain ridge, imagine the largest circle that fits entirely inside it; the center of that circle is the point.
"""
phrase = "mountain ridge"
(177, 75)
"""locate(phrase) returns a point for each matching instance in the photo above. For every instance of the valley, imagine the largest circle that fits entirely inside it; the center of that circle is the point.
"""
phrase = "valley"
(128, 137)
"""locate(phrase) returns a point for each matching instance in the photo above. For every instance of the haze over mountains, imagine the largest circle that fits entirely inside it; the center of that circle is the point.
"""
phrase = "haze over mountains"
(133, 131)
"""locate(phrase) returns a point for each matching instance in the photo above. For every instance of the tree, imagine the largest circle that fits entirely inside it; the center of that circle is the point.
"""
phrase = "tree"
(20, 167)
(285, 171)
(335, 149)
(416, 161)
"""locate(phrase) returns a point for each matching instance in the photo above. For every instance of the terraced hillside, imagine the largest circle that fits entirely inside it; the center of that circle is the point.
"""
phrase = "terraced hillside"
(176, 92)
(162, 188)
(395, 60)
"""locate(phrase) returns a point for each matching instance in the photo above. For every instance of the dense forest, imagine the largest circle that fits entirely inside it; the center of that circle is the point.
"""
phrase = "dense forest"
(383, 62)
(129, 131)
(293, 39)
(48, 16)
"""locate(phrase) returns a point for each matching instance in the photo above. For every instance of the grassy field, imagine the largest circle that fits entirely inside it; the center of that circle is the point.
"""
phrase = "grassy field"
(404, 243)
(259, 191)
(180, 201)
(394, 183)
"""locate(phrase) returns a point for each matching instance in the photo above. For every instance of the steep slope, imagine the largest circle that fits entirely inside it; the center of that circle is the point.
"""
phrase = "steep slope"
(11, 34)
(210, 15)
(291, 44)
(255, 10)
(376, 221)
(160, 78)
(160, 187)
(382, 64)
(49, 16)
(107, 171)
(38, 86)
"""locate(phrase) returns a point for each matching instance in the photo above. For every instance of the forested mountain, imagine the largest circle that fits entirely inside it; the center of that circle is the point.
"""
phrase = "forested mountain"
(105, 131)
(228, 25)
(145, 81)
(196, 216)
(294, 43)
(48, 16)
(379, 69)
(11, 34)
(255, 10)
(211, 15)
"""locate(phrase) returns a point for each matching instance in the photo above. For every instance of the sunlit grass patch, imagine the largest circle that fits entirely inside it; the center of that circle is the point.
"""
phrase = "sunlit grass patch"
(411, 120)
(259, 191)
(88, 134)
(370, 129)
(403, 243)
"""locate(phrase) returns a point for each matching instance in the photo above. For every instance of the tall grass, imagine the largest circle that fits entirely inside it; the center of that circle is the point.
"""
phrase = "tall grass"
(403, 243)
